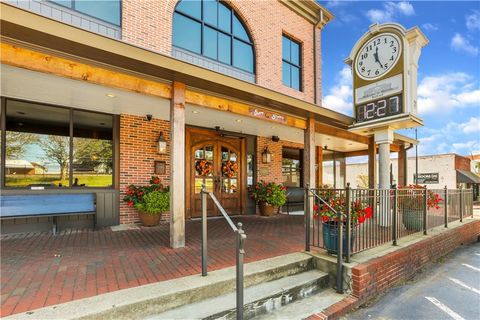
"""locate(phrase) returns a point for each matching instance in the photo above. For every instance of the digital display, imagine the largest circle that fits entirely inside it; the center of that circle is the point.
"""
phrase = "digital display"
(379, 109)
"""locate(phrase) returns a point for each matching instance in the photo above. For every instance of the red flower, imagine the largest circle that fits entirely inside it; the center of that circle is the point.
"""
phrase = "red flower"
(325, 218)
(368, 212)
(315, 207)
(130, 203)
(361, 219)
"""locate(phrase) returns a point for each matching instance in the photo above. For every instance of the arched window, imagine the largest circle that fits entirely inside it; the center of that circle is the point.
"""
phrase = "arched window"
(212, 29)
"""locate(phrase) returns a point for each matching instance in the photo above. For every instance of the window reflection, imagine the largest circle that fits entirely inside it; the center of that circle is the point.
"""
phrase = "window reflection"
(107, 10)
(205, 27)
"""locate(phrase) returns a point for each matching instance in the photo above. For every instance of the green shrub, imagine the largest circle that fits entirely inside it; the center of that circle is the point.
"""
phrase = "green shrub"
(154, 202)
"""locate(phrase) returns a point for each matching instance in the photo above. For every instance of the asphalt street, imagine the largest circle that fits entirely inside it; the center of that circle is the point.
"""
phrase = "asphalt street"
(449, 289)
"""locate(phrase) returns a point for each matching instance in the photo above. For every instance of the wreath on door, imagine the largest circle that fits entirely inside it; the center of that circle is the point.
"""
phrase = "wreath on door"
(203, 167)
(229, 169)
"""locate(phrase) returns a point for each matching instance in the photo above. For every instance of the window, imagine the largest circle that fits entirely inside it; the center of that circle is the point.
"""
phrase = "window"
(106, 10)
(212, 29)
(49, 146)
(291, 63)
(292, 173)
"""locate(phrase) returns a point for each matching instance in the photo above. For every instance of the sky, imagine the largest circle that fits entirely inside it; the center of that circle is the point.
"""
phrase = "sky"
(449, 66)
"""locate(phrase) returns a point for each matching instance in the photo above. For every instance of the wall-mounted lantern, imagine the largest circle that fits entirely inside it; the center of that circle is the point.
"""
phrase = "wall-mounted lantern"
(266, 155)
(161, 144)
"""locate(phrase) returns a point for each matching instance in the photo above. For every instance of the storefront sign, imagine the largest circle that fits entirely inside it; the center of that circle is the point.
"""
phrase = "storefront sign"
(262, 114)
(379, 89)
(426, 178)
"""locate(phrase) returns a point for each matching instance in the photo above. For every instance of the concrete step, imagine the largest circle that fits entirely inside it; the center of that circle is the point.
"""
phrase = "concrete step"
(259, 299)
(143, 301)
(302, 309)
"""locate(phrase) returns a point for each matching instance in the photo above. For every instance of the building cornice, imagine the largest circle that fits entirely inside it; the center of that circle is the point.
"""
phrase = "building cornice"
(310, 10)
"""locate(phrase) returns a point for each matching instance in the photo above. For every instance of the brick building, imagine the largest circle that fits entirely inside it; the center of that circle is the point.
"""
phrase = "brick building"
(217, 81)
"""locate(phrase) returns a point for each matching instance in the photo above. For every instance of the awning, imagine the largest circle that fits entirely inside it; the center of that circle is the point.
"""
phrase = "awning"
(464, 176)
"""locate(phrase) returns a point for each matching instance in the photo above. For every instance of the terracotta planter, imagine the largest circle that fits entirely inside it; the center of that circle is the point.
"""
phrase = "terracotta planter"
(267, 209)
(149, 220)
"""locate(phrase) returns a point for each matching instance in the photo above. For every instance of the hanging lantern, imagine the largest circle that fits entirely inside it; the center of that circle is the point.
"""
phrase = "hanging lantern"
(162, 144)
(266, 155)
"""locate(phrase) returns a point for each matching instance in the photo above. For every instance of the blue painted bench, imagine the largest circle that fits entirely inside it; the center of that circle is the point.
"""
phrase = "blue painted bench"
(47, 205)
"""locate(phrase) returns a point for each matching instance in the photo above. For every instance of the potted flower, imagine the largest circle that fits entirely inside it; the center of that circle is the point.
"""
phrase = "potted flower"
(359, 213)
(150, 201)
(269, 196)
(410, 203)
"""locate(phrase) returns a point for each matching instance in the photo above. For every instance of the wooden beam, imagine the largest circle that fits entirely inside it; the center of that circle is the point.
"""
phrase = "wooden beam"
(47, 63)
(340, 133)
(358, 153)
(309, 154)
(177, 169)
(319, 159)
(222, 104)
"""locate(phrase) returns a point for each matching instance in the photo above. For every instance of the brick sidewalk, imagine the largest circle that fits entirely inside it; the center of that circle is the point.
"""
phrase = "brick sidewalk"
(39, 269)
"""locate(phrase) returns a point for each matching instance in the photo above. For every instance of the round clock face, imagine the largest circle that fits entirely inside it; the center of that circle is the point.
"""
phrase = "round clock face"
(378, 56)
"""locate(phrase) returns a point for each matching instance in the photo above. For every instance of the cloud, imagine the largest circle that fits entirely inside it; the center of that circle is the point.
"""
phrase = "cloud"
(472, 20)
(465, 146)
(446, 92)
(339, 96)
(429, 27)
(459, 43)
(390, 11)
(471, 126)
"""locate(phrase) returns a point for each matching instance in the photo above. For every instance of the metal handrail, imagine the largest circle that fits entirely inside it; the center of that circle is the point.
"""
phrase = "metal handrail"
(240, 248)
(325, 203)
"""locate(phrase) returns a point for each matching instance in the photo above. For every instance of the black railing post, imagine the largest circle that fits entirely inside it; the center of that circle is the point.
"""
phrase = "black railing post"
(395, 213)
(204, 232)
(240, 257)
(339, 253)
(445, 209)
(348, 204)
(461, 205)
(307, 217)
(425, 211)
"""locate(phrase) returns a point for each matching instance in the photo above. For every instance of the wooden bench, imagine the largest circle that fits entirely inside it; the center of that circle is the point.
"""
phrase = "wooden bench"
(47, 205)
(295, 198)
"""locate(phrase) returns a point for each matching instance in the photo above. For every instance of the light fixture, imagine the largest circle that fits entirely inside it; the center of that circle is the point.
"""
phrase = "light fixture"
(161, 144)
(239, 120)
(266, 155)
(110, 95)
(275, 138)
(149, 117)
(195, 112)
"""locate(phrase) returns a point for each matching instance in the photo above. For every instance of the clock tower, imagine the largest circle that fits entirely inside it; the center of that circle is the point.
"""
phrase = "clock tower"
(384, 65)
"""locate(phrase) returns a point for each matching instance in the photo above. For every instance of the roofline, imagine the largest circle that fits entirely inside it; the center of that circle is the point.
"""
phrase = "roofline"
(20, 26)
(310, 10)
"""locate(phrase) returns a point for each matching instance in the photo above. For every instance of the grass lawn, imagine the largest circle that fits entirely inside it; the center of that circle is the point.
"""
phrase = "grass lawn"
(90, 180)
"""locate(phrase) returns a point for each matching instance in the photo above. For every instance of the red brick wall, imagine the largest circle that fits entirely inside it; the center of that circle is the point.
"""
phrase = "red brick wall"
(375, 276)
(462, 163)
(148, 24)
(138, 151)
(272, 172)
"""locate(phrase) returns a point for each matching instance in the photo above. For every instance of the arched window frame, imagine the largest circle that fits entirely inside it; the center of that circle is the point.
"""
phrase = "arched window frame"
(231, 34)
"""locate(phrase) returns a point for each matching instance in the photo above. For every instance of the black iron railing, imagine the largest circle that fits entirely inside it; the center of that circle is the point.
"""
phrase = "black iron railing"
(377, 216)
(239, 252)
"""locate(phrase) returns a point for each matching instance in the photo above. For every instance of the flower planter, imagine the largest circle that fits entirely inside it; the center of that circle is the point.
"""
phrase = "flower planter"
(267, 209)
(149, 220)
(412, 219)
(330, 237)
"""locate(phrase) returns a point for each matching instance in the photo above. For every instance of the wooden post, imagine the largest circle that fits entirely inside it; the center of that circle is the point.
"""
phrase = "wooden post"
(372, 164)
(319, 159)
(402, 166)
(177, 165)
(309, 154)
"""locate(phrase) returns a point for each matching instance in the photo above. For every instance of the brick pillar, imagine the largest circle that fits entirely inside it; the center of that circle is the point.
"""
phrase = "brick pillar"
(177, 163)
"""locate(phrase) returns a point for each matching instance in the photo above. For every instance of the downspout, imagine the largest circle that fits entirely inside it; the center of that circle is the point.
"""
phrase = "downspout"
(315, 82)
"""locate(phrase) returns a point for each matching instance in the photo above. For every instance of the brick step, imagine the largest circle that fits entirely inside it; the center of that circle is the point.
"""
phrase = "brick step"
(259, 299)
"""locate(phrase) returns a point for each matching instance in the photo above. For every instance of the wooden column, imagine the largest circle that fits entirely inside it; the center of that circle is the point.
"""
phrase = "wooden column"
(177, 166)
(319, 159)
(402, 166)
(309, 154)
(372, 164)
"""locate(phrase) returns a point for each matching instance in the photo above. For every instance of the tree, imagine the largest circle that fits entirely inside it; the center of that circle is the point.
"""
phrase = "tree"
(17, 143)
(93, 153)
(56, 148)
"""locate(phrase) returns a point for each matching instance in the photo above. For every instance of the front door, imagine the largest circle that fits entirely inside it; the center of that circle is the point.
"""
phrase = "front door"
(217, 163)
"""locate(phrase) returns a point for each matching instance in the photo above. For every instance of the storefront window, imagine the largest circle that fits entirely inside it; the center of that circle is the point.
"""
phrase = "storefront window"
(38, 149)
(292, 167)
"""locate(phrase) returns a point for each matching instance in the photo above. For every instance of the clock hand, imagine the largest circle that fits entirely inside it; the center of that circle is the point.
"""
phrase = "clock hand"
(376, 57)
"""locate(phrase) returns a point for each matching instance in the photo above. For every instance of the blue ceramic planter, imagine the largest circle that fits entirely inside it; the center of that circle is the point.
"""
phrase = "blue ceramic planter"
(330, 237)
